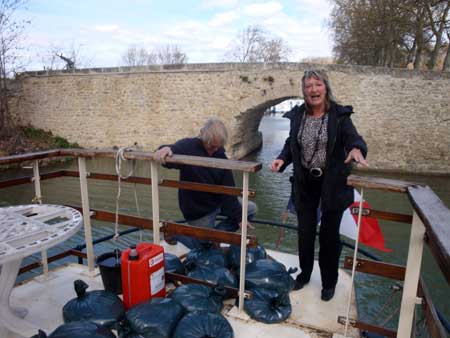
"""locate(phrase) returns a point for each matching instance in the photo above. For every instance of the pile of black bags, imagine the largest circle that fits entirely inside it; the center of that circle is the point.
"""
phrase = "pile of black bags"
(191, 310)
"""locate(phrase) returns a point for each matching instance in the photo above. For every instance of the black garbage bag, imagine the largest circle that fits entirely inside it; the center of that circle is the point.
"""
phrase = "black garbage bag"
(253, 254)
(196, 297)
(214, 274)
(202, 324)
(101, 307)
(173, 264)
(79, 329)
(130, 335)
(269, 274)
(268, 306)
(205, 255)
(155, 318)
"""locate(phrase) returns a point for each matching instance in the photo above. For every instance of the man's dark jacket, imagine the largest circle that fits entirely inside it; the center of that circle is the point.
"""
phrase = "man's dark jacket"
(342, 137)
(196, 204)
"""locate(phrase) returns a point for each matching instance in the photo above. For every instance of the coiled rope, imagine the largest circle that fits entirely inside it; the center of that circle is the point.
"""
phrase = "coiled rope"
(118, 161)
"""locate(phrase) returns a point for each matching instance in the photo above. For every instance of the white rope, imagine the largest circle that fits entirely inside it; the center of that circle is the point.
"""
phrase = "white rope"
(119, 158)
(355, 255)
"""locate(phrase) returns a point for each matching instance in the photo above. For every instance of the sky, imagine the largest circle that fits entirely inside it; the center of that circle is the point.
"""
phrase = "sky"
(102, 30)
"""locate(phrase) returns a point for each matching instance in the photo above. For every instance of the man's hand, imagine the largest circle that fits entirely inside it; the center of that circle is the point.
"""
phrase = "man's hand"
(249, 226)
(356, 155)
(276, 165)
(161, 154)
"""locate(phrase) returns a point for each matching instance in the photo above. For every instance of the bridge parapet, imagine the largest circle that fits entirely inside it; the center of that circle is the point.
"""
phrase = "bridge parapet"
(404, 115)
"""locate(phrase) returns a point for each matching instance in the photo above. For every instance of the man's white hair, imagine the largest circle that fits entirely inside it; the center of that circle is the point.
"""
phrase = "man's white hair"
(214, 129)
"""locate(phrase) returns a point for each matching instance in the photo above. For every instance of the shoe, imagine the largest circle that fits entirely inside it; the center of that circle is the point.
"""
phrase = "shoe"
(300, 283)
(327, 294)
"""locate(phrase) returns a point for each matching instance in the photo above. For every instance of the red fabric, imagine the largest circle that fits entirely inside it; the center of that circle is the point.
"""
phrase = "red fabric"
(370, 233)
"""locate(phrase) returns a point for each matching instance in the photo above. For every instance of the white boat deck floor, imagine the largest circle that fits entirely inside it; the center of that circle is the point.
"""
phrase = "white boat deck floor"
(311, 317)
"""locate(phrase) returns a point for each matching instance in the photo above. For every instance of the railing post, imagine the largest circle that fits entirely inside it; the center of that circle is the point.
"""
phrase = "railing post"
(412, 275)
(154, 166)
(355, 257)
(243, 240)
(86, 212)
(38, 199)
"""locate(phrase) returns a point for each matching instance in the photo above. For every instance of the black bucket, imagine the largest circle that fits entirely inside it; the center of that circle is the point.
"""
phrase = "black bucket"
(109, 264)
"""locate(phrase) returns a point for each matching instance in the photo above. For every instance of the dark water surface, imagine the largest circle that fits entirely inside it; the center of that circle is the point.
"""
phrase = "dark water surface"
(377, 302)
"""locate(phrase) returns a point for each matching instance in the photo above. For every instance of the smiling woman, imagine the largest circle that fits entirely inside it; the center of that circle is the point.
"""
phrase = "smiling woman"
(321, 144)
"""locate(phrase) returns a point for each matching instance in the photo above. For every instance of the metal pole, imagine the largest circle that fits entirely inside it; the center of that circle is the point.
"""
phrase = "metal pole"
(243, 240)
(86, 212)
(154, 166)
(38, 199)
(355, 256)
(412, 274)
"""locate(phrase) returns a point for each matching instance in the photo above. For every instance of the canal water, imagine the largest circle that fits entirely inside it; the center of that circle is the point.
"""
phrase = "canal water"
(378, 300)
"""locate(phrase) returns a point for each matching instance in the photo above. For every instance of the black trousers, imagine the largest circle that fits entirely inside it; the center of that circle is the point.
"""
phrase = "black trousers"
(329, 238)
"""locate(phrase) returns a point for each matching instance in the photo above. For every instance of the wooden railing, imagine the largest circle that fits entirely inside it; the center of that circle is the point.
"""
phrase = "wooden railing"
(157, 226)
(430, 225)
(430, 221)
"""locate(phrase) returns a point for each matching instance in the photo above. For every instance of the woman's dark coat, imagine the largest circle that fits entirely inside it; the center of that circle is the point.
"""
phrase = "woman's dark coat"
(342, 137)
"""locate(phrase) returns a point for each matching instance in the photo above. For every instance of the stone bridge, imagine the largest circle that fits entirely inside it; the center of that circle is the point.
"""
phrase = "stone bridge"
(403, 115)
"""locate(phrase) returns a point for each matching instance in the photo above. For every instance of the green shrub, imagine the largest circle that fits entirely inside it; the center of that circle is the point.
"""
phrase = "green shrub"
(48, 137)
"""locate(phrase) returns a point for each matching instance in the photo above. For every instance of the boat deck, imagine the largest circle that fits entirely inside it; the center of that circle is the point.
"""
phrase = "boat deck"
(45, 297)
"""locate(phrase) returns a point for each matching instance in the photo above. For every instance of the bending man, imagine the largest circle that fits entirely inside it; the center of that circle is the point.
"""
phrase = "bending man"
(201, 208)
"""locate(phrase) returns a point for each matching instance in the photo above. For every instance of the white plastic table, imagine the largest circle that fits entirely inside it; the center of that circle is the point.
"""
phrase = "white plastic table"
(25, 230)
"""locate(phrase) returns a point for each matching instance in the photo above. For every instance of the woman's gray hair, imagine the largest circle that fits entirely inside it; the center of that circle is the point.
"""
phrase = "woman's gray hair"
(322, 76)
(214, 129)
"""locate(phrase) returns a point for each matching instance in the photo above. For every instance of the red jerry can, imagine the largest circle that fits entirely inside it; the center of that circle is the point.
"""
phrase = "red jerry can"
(142, 269)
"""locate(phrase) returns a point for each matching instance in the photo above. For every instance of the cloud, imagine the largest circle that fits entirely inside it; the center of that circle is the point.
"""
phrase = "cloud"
(263, 8)
(106, 28)
(319, 9)
(209, 4)
(223, 18)
(204, 33)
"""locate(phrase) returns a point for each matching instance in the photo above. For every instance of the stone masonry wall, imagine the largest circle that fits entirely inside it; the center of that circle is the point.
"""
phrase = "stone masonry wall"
(403, 115)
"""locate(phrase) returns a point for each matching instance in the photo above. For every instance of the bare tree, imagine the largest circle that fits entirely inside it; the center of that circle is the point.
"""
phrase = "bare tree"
(446, 66)
(169, 54)
(438, 19)
(11, 32)
(390, 32)
(248, 45)
(68, 57)
(275, 50)
(254, 44)
(135, 56)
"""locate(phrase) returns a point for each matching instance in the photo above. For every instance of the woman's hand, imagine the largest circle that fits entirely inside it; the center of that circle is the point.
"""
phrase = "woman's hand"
(276, 165)
(356, 155)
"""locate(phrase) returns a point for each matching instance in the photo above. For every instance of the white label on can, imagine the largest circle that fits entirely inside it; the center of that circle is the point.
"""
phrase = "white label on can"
(157, 281)
(155, 260)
